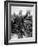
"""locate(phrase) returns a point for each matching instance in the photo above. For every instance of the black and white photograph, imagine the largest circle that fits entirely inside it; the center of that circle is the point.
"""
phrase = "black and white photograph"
(20, 22)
